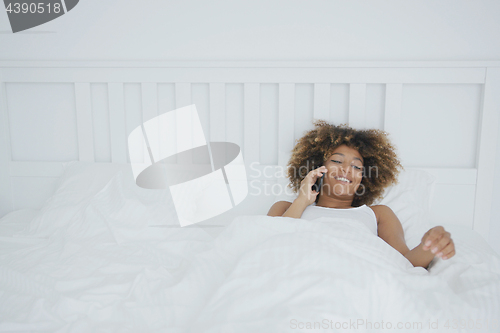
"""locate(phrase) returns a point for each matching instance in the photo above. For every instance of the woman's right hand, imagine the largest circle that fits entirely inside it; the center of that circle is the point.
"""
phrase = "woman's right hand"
(306, 193)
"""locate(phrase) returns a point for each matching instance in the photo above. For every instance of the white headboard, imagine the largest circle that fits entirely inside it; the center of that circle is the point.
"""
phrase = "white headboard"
(442, 116)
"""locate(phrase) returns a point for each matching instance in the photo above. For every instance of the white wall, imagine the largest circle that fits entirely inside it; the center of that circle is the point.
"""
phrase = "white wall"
(263, 30)
(266, 30)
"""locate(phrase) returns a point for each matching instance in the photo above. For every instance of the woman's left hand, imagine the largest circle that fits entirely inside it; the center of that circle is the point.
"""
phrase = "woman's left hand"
(439, 242)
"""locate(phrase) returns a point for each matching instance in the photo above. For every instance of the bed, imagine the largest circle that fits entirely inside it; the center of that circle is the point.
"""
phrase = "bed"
(83, 248)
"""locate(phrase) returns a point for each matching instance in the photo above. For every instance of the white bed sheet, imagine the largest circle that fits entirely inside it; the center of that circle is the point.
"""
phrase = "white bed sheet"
(86, 270)
(17, 220)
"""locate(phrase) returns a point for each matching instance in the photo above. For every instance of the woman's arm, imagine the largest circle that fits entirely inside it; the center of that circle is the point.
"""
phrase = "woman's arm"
(391, 231)
(288, 209)
(306, 197)
(279, 208)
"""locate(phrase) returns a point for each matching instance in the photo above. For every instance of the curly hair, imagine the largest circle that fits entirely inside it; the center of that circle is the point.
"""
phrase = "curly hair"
(312, 150)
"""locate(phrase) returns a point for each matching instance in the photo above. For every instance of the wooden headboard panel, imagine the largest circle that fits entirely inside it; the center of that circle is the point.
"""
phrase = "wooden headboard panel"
(442, 116)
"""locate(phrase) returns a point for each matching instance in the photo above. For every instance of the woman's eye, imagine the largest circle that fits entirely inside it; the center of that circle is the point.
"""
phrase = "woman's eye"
(336, 161)
(357, 167)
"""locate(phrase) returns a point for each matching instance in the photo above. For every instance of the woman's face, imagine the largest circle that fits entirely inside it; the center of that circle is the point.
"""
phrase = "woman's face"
(345, 171)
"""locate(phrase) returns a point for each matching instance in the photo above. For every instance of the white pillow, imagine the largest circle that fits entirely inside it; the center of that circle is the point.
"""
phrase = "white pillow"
(82, 180)
(110, 186)
(130, 211)
(86, 188)
(410, 200)
(154, 206)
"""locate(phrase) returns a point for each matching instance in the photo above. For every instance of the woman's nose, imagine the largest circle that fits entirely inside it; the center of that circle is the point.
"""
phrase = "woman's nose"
(345, 170)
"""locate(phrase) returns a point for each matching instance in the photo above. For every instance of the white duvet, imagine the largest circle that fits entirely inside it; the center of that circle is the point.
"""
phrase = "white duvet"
(94, 267)
(284, 273)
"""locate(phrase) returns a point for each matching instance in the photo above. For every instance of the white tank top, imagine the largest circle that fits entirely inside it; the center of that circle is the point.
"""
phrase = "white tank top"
(362, 214)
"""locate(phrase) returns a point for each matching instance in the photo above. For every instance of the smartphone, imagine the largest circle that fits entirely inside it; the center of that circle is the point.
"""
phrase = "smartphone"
(319, 183)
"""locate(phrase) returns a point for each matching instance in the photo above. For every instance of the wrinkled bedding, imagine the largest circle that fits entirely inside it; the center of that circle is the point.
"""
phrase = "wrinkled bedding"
(260, 274)
(285, 271)
(97, 266)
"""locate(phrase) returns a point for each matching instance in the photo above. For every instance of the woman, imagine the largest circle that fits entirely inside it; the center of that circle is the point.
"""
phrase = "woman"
(358, 165)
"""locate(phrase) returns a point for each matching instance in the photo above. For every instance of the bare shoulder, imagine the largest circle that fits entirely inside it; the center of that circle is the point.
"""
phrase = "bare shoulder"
(279, 208)
(380, 208)
(381, 211)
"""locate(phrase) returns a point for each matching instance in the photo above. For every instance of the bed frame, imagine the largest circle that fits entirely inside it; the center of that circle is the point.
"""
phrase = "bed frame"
(273, 103)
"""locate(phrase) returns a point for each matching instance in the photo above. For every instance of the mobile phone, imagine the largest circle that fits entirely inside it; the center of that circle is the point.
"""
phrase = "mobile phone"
(319, 183)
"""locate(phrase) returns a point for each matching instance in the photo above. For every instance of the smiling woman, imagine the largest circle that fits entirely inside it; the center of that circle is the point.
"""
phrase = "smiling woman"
(345, 172)
(330, 145)
(358, 165)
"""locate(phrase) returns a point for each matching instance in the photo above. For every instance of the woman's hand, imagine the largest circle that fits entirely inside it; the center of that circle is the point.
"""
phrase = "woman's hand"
(306, 194)
(439, 242)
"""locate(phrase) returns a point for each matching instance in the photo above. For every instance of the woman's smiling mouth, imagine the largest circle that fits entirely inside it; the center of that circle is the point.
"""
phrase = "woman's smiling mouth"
(343, 179)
